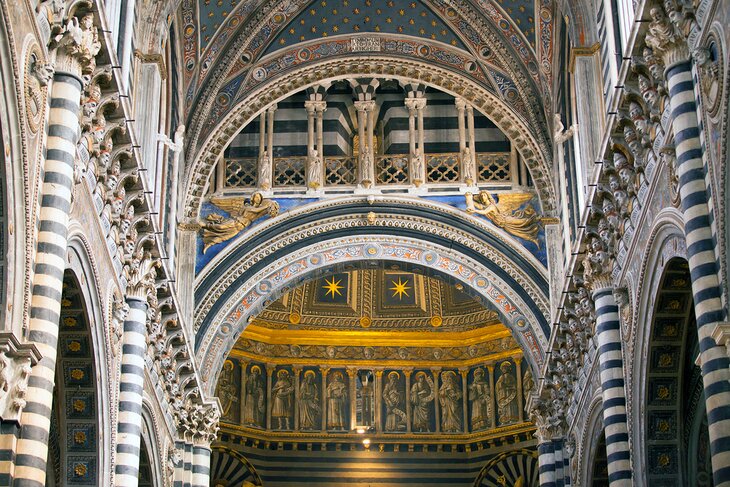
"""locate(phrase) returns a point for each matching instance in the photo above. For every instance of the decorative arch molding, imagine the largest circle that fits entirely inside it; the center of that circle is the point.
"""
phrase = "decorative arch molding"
(533, 149)
(665, 243)
(256, 289)
(592, 430)
(225, 465)
(151, 441)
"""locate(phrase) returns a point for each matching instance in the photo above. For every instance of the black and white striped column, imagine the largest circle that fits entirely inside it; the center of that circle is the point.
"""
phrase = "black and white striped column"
(50, 263)
(702, 264)
(608, 334)
(546, 462)
(131, 385)
(558, 454)
(201, 465)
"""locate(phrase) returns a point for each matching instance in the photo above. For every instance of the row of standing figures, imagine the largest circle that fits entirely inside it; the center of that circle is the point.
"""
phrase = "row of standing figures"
(422, 394)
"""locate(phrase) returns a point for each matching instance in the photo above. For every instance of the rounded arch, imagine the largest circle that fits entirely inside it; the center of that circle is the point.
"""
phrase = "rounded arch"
(510, 466)
(229, 466)
(151, 464)
(666, 241)
(255, 288)
(535, 153)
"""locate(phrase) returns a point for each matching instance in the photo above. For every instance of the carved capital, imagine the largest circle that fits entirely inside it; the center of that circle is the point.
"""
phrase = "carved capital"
(16, 360)
(665, 37)
(141, 273)
(77, 46)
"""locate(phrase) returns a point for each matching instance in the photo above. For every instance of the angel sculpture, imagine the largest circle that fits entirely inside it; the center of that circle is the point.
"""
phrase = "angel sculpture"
(506, 213)
(217, 229)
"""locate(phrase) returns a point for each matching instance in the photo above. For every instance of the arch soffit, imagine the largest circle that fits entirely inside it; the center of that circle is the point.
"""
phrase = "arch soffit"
(488, 23)
(666, 241)
(535, 154)
(589, 440)
(81, 263)
(214, 342)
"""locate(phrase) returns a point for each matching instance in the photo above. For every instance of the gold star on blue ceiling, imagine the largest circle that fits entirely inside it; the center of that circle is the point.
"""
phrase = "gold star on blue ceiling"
(337, 17)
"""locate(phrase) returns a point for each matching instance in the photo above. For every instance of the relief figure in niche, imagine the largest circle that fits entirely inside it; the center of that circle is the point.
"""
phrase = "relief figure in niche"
(336, 402)
(253, 405)
(395, 417)
(367, 394)
(227, 391)
(449, 397)
(507, 395)
(422, 394)
(308, 402)
(481, 401)
(281, 396)
(527, 384)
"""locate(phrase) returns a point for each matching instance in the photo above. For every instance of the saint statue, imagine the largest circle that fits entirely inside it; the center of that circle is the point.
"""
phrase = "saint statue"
(481, 401)
(281, 397)
(507, 395)
(308, 402)
(422, 394)
(314, 174)
(506, 214)
(449, 397)
(395, 417)
(253, 405)
(418, 164)
(336, 402)
(265, 171)
(175, 145)
(227, 390)
(367, 394)
(217, 229)
(367, 177)
(467, 162)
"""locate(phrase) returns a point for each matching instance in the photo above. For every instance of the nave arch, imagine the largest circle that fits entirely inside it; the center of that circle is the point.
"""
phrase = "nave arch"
(265, 265)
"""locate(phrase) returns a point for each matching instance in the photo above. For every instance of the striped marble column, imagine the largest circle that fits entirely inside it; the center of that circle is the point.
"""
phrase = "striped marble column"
(201, 465)
(608, 333)
(546, 462)
(131, 385)
(702, 264)
(667, 41)
(72, 62)
(558, 454)
(141, 274)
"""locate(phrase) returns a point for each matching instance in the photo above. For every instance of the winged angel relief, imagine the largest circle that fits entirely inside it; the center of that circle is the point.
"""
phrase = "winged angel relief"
(506, 213)
(216, 228)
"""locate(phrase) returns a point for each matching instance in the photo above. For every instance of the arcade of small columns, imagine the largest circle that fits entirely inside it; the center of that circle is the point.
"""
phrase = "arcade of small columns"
(365, 107)
(589, 311)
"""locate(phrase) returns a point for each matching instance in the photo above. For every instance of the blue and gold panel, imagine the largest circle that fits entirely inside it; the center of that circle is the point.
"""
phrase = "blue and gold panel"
(282, 399)
(662, 425)
(451, 401)
(505, 391)
(81, 437)
(80, 405)
(665, 359)
(393, 402)
(81, 470)
(662, 391)
(400, 290)
(422, 396)
(74, 346)
(71, 321)
(254, 396)
(78, 374)
(310, 399)
(675, 303)
(663, 461)
(668, 329)
(333, 289)
(337, 399)
(228, 391)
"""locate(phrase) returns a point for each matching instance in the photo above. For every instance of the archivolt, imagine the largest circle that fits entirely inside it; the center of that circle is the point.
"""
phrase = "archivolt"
(536, 155)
